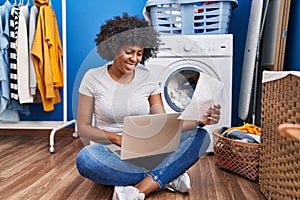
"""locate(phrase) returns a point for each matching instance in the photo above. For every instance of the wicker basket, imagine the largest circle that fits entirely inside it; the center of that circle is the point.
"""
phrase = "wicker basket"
(279, 175)
(239, 157)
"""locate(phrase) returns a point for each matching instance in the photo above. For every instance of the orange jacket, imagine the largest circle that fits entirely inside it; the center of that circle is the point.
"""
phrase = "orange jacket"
(47, 55)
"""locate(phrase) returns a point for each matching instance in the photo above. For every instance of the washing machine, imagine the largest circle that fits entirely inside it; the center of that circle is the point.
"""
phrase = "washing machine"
(180, 62)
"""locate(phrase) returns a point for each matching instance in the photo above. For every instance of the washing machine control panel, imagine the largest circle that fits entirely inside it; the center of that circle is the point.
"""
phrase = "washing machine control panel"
(196, 45)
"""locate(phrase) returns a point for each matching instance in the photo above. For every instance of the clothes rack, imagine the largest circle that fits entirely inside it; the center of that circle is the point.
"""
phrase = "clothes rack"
(48, 125)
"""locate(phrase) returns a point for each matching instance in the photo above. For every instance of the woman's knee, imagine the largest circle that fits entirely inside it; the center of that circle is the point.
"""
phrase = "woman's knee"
(84, 161)
(200, 139)
(188, 134)
(81, 160)
(204, 141)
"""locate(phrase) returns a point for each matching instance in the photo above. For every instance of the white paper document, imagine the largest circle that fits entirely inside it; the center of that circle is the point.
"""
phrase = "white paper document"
(208, 92)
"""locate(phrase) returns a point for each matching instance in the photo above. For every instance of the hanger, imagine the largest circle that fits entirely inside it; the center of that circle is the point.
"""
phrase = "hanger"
(7, 1)
(21, 3)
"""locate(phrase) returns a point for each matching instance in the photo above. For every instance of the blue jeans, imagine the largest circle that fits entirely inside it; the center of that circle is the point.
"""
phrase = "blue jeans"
(99, 164)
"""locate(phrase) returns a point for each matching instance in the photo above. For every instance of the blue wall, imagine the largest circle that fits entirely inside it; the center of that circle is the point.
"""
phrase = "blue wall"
(292, 60)
(83, 23)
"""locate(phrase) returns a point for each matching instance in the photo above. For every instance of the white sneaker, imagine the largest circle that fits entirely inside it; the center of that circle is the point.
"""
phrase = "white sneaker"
(181, 184)
(127, 193)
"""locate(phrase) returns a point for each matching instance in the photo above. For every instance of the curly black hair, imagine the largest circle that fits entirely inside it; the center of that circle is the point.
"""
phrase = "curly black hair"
(126, 30)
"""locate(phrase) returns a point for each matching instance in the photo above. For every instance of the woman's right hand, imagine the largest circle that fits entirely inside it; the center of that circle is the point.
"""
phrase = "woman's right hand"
(114, 138)
(118, 140)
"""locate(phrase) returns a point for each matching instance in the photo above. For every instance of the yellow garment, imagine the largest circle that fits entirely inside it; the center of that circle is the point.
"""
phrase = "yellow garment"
(247, 128)
(54, 44)
(47, 56)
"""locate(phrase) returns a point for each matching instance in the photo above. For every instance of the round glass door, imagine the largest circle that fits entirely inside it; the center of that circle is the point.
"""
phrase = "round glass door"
(180, 86)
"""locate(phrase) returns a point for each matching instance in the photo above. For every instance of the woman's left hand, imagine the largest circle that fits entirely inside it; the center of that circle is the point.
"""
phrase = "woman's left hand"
(212, 115)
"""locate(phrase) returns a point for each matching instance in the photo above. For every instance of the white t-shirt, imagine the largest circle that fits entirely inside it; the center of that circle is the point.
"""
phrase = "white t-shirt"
(114, 101)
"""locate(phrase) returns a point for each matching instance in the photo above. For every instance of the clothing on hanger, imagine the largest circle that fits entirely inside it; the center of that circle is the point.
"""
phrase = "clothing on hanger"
(32, 27)
(23, 56)
(6, 109)
(47, 61)
(21, 78)
(13, 33)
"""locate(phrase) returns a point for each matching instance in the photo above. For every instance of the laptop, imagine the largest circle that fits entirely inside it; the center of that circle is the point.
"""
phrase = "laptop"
(147, 139)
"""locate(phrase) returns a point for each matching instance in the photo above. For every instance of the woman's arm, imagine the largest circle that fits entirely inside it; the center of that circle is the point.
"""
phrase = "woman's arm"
(84, 124)
(289, 130)
(156, 104)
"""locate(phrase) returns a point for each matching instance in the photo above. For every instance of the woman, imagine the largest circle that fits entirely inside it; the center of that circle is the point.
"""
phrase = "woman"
(122, 88)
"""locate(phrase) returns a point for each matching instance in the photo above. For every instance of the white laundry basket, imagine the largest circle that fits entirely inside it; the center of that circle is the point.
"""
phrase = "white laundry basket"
(190, 16)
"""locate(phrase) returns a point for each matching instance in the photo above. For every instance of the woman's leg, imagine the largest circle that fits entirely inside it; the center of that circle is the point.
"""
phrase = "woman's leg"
(107, 169)
(193, 145)
(99, 164)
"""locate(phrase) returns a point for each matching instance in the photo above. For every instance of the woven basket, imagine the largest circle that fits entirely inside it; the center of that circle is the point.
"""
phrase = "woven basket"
(238, 157)
(279, 175)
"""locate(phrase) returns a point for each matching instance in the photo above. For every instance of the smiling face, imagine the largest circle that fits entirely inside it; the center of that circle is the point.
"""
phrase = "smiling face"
(128, 58)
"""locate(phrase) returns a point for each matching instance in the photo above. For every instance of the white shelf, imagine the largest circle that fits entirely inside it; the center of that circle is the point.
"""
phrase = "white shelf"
(35, 124)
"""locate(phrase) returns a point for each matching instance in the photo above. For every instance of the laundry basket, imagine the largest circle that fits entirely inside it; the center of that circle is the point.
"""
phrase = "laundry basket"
(239, 157)
(190, 16)
(279, 174)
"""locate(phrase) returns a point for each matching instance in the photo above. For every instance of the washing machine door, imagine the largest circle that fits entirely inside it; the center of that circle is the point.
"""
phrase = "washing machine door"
(179, 88)
(180, 81)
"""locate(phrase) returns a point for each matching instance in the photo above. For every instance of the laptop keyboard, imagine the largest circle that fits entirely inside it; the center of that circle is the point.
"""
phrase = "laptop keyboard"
(118, 152)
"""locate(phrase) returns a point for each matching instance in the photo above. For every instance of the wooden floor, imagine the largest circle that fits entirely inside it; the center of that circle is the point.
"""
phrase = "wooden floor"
(29, 171)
